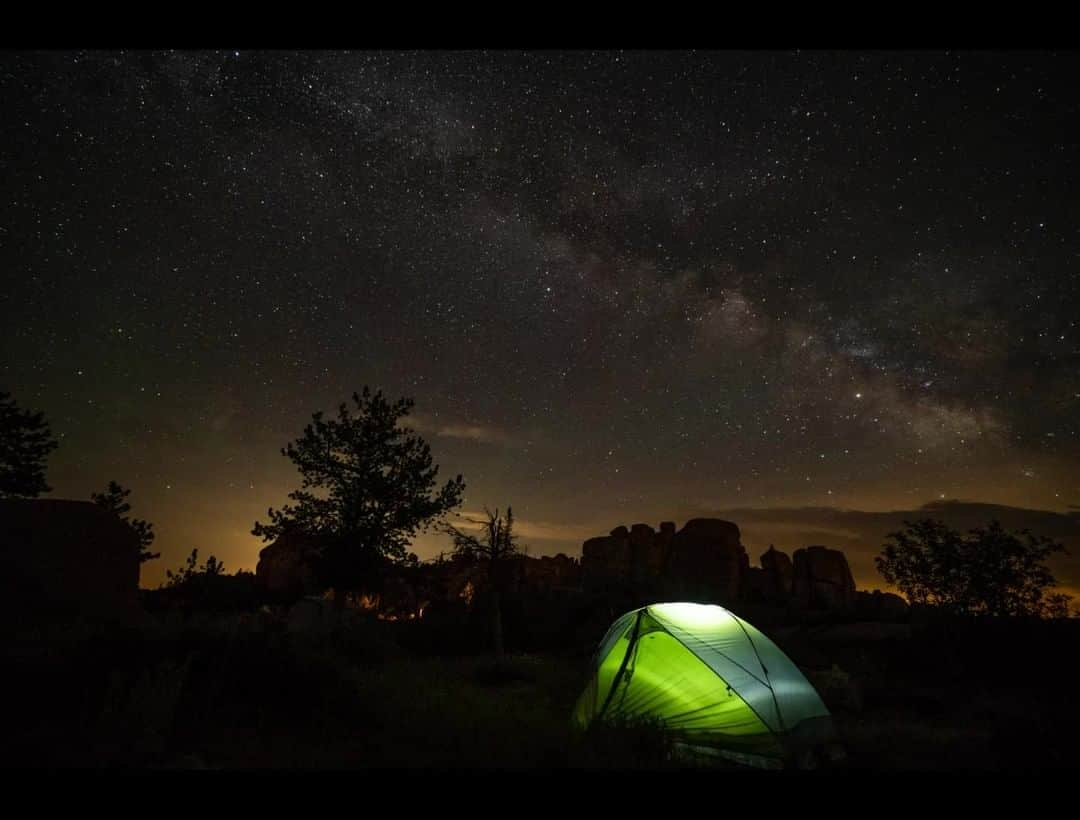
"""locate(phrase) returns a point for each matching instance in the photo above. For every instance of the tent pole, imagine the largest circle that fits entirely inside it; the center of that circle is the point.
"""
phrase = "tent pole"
(622, 667)
(764, 669)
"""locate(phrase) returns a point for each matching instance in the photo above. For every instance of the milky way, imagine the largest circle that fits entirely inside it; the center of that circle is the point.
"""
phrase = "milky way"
(620, 286)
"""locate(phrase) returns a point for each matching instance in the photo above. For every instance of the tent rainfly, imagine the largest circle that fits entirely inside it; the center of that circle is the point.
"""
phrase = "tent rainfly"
(712, 681)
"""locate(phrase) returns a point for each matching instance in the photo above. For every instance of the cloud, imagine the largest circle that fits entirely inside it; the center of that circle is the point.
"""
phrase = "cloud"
(473, 432)
(483, 433)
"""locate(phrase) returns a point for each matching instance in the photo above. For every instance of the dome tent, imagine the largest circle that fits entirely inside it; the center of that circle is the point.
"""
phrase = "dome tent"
(715, 684)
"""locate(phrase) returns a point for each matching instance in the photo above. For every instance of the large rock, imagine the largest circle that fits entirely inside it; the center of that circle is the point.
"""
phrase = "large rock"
(777, 575)
(607, 562)
(822, 579)
(67, 558)
(707, 562)
(285, 570)
(550, 572)
(646, 556)
(881, 606)
(662, 544)
(754, 585)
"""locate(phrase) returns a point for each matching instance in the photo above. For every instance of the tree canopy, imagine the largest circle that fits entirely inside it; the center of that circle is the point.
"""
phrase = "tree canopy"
(114, 499)
(495, 543)
(368, 486)
(191, 571)
(984, 572)
(25, 443)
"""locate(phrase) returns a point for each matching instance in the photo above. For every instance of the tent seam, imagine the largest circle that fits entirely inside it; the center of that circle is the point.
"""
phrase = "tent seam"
(764, 668)
(738, 694)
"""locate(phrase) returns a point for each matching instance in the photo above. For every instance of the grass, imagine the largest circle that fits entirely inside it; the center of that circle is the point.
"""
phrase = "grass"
(214, 696)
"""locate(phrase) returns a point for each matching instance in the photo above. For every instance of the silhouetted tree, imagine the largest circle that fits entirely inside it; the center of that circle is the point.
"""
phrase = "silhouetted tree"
(25, 443)
(191, 570)
(114, 499)
(985, 572)
(1058, 605)
(495, 544)
(368, 486)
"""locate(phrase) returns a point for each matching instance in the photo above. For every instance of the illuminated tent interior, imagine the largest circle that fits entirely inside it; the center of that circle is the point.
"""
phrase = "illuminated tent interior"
(713, 682)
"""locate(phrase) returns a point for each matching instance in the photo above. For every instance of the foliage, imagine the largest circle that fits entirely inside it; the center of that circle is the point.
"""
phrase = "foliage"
(368, 486)
(985, 572)
(25, 443)
(114, 499)
(191, 570)
(1058, 605)
(496, 544)
(498, 540)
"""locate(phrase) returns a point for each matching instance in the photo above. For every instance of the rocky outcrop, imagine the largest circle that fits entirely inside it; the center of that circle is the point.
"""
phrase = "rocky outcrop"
(549, 572)
(285, 571)
(707, 562)
(777, 574)
(753, 588)
(822, 580)
(703, 561)
(663, 541)
(646, 555)
(67, 558)
(607, 562)
(881, 606)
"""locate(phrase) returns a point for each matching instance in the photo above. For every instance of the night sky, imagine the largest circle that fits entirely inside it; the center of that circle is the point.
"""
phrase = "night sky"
(620, 286)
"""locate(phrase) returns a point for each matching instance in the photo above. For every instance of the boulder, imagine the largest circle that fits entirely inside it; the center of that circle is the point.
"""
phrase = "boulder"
(822, 579)
(881, 606)
(777, 575)
(550, 571)
(607, 562)
(707, 562)
(646, 555)
(754, 586)
(67, 558)
(285, 570)
(662, 543)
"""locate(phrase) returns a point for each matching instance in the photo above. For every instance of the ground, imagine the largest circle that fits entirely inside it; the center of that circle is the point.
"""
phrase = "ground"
(214, 694)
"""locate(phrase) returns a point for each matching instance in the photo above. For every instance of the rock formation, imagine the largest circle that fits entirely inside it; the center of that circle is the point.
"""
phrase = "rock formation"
(822, 579)
(881, 606)
(777, 573)
(284, 571)
(548, 572)
(607, 562)
(706, 561)
(67, 558)
(703, 561)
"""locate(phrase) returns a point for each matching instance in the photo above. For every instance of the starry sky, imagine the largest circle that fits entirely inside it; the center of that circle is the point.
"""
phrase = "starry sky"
(620, 286)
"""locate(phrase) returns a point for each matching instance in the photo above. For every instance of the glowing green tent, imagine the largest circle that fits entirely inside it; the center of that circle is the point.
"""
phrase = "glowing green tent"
(713, 681)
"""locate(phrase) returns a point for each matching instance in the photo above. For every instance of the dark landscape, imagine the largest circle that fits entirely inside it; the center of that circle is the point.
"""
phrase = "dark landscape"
(178, 677)
(577, 410)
